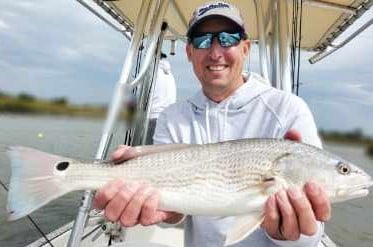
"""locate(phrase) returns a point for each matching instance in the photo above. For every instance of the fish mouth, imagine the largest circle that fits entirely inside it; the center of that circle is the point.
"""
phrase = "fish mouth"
(350, 192)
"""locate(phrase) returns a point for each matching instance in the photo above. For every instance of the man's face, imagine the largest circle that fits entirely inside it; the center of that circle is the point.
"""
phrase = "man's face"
(218, 68)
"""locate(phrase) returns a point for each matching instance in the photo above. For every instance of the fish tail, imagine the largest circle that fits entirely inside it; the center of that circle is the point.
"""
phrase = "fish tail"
(33, 181)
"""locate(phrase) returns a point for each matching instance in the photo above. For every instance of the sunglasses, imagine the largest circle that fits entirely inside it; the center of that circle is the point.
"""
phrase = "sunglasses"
(225, 39)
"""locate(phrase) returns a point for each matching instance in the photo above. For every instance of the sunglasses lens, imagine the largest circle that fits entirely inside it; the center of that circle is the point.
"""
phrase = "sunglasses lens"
(229, 39)
(225, 40)
(202, 42)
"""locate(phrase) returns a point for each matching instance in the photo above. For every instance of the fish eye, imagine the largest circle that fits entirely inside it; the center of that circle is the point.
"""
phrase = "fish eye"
(343, 168)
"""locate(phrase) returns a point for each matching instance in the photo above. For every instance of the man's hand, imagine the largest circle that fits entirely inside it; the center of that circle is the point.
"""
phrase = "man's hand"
(131, 203)
(292, 212)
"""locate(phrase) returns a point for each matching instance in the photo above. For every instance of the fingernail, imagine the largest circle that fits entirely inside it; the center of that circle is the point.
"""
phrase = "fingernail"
(116, 154)
(294, 193)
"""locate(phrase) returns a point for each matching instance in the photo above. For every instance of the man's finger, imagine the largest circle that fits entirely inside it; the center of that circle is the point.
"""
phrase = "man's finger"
(271, 221)
(149, 210)
(107, 193)
(289, 226)
(293, 135)
(122, 153)
(303, 209)
(319, 201)
(119, 202)
(130, 216)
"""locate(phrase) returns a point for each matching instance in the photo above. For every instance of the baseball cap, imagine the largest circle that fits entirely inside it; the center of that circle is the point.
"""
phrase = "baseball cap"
(215, 8)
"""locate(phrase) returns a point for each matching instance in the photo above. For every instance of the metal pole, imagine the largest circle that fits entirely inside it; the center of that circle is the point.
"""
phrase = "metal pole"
(79, 224)
(153, 39)
(151, 85)
(263, 55)
(274, 46)
(321, 55)
(284, 78)
(96, 13)
(156, 28)
(331, 6)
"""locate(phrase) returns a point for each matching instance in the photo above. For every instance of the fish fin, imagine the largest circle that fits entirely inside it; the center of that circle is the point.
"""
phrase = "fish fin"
(33, 181)
(243, 227)
(157, 148)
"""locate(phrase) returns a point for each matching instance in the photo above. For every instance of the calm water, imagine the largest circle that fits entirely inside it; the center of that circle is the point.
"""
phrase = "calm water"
(351, 224)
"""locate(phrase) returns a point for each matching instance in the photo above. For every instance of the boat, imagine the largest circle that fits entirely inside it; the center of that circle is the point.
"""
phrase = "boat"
(280, 28)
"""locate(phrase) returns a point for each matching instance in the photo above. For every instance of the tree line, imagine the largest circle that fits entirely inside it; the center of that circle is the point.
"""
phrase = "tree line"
(25, 103)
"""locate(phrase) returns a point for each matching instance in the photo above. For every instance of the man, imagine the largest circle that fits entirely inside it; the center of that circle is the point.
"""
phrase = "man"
(229, 106)
(164, 94)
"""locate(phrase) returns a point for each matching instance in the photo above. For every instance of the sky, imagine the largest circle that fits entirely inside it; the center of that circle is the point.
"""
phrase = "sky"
(57, 48)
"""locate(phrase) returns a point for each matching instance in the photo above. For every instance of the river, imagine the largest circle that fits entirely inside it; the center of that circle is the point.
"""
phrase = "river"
(351, 223)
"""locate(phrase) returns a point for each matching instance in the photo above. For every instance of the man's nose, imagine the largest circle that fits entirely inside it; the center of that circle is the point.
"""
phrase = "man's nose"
(216, 50)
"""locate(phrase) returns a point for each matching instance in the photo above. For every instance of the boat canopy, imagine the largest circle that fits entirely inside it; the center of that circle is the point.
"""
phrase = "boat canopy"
(322, 21)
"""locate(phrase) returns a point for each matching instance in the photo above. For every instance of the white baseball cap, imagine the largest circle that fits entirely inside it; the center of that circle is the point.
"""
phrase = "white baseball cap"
(213, 9)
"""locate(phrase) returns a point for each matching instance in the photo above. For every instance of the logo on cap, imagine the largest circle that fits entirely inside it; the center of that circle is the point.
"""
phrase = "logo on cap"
(212, 6)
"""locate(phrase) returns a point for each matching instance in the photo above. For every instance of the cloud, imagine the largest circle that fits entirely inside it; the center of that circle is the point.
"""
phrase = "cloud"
(69, 53)
(26, 5)
(50, 57)
(4, 26)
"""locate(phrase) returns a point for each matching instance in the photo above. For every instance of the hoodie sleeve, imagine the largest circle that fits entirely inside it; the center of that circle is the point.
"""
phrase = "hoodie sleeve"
(304, 241)
(301, 119)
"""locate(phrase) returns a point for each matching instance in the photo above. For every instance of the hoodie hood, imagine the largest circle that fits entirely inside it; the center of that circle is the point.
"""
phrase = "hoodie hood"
(241, 97)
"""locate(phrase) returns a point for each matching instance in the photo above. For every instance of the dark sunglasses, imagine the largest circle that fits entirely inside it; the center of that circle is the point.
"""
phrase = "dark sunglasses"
(225, 39)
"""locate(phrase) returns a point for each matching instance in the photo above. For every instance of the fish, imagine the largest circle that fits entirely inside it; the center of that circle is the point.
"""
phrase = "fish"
(231, 178)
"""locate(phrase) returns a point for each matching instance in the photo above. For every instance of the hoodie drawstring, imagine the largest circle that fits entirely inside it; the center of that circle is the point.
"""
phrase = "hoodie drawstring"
(225, 118)
(207, 119)
(221, 127)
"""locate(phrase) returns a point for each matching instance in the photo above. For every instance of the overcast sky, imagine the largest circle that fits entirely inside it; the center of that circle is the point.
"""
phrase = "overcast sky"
(56, 48)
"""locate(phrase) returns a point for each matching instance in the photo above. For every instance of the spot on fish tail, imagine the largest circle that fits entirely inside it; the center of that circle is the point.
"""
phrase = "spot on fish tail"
(62, 165)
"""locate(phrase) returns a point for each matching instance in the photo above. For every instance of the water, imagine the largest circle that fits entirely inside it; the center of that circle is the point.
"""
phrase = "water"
(76, 138)
(352, 221)
(351, 224)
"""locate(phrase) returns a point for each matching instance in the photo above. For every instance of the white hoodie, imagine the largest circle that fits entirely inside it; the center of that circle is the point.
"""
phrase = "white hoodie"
(254, 110)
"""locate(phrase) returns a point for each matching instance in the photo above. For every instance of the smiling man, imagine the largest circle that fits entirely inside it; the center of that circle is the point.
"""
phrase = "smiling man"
(231, 105)
(218, 65)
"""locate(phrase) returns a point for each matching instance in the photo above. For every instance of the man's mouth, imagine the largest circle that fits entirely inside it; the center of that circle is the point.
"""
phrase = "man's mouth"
(216, 67)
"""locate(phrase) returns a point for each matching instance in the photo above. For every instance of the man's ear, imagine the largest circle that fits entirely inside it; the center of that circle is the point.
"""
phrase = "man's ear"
(246, 46)
(188, 50)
